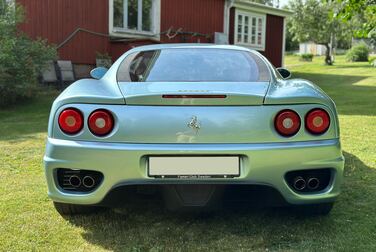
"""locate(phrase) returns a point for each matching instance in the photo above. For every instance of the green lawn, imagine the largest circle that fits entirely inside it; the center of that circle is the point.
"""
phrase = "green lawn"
(28, 220)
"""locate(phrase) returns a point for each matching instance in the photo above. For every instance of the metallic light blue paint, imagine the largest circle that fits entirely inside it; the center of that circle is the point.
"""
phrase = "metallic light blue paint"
(146, 124)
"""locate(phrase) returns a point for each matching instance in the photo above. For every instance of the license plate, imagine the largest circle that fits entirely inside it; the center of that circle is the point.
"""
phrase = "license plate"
(194, 167)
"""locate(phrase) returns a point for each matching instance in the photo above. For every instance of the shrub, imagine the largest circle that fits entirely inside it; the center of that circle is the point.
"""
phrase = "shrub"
(372, 61)
(306, 57)
(21, 59)
(358, 53)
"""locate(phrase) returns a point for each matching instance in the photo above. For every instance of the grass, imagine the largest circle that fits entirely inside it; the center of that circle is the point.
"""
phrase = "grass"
(28, 220)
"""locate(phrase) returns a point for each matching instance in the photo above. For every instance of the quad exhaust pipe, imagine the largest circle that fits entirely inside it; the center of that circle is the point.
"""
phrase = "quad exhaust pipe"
(75, 181)
(300, 183)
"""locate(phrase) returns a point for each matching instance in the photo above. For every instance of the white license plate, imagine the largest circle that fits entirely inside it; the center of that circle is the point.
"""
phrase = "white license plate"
(190, 167)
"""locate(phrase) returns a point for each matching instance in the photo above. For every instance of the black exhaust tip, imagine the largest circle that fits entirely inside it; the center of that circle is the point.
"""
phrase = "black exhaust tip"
(310, 180)
(88, 181)
(75, 181)
(299, 183)
(313, 183)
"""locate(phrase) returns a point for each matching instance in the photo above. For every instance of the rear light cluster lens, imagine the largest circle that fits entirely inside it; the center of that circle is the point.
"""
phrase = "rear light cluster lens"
(71, 121)
(287, 122)
(100, 122)
(317, 121)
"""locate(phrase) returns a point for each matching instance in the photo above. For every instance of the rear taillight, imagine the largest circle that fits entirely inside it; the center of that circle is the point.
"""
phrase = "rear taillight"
(101, 122)
(71, 121)
(287, 122)
(317, 121)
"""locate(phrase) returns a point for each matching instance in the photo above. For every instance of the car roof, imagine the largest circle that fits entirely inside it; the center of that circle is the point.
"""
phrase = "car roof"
(188, 46)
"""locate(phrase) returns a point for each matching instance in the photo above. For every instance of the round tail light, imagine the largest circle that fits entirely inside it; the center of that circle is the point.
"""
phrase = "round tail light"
(71, 121)
(101, 122)
(287, 123)
(317, 121)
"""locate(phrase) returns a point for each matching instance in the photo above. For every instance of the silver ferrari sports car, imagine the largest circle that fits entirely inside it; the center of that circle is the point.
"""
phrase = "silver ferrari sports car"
(194, 125)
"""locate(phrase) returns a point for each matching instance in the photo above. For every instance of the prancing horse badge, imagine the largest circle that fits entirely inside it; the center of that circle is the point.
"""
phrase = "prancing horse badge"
(194, 124)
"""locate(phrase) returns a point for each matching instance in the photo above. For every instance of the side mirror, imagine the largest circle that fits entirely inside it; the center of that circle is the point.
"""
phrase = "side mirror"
(284, 72)
(98, 73)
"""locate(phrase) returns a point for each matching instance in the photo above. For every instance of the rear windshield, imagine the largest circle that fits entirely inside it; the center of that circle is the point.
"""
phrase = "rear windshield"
(193, 65)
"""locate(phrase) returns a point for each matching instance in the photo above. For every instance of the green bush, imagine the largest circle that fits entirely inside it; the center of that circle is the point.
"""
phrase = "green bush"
(358, 53)
(306, 57)
(21, 59)
(372, 61)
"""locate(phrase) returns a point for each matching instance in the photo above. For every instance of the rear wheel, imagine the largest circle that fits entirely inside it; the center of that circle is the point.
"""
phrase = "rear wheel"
(314, 209)
(71, 209)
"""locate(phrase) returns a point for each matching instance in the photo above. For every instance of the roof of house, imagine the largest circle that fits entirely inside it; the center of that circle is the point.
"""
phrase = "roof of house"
(262, 8)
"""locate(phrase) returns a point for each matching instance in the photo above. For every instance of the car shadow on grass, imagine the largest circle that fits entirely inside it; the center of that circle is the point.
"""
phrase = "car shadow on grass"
(144, 227)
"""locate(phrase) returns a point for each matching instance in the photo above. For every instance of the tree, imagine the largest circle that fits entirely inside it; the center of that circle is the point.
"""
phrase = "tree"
(311, 21)
(21, 59)
(352, 11)
(291, 43)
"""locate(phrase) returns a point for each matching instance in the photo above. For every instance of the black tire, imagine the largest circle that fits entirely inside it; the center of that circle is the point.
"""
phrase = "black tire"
(71, 209)
(314, 209)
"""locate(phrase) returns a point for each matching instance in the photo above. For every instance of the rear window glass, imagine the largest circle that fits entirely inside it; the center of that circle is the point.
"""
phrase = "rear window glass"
(193, 65)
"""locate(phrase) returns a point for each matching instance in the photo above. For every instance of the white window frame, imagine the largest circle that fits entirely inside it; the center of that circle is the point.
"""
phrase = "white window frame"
(250, 15)
(136, 33)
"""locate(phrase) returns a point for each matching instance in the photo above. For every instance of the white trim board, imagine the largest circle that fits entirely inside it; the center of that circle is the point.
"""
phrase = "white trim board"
(261, 8)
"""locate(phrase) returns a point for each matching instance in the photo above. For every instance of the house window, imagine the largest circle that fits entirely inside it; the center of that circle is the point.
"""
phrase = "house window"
(250, 30)
(135, 16)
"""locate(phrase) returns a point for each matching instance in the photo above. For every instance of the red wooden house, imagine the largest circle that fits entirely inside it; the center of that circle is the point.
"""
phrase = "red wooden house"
(83, 28)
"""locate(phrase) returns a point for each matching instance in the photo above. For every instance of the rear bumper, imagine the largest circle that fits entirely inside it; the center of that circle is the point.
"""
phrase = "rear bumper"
(126, 164)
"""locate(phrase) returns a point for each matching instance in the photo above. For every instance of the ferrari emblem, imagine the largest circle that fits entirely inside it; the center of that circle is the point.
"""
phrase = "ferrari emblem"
(194, 124)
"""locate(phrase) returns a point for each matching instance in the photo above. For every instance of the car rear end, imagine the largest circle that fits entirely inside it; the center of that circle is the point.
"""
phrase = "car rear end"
(191, 133)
